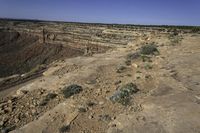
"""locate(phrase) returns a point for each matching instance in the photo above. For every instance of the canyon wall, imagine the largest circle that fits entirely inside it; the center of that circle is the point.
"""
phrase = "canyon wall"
(81, 35)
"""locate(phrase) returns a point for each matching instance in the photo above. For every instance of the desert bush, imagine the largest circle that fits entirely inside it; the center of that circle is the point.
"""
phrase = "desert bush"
(37, 69)
(148, 66)
(146, 58)
(51, 96)
(128, 62)
(43, 102)
(47, 98)
(82, 110)
(73, 89)
(149, 49)
(120, 69)
(132, 56)
(175, 39)
(123, 94)
(64, 129)
(105, 118)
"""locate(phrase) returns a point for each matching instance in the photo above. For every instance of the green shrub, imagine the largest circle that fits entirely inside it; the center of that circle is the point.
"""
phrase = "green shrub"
(132, 56)
(146, 58)
(123, 94)
(64, 129)
(71, 90)
(148, 66)
(128, 62)
(120, 69)
(47, 98)
(149, 49)
(51, 96)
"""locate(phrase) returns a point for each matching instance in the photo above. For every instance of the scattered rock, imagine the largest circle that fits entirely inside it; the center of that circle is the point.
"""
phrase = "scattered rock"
(43, 102)
(148, 66)
(33, 111)
(90, 103)
(21, 92)
(120, 69)
(17, 120)
(148, 76)
(9, 101)
(133, 56)
(113, 118)
(105, 118)
(128, 62)
(82, 110)
(101, 103)
(51, 96)
(140, 118)
(7, 129)
(118, 82)
(135, 65)
(90, 116)
(1, 123)
(93, 81)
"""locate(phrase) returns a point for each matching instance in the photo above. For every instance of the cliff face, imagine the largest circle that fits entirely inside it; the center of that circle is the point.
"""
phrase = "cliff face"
(80, 35)
(21, 52)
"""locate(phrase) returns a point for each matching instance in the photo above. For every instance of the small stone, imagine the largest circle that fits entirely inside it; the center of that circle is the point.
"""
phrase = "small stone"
(21, 92)
(141, 118)
(90, 104)
(4, 130)
(90, 116)
(9, 109)
(40, 93)
(7, 129)
(105, 118)
(91, 81)
(107, 91)
(118, 82)
(113, 125)
(1, 123)
(33, 111)
(101, 103)
(16, 120)
(113, 118)
(99, 90)
(82, 110)
(9, 101)
(64, 129)
(32, 106)
(27, 113)
(120, 69)
(135, 65)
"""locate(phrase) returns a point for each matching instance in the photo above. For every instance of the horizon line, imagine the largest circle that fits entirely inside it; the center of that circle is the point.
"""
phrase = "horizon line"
(103, 23)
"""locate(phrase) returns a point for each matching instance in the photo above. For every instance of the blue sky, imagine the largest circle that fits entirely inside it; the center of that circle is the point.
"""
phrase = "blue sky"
(172, 12)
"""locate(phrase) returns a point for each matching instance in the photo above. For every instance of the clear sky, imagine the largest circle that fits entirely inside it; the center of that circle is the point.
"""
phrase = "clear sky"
(173, 12)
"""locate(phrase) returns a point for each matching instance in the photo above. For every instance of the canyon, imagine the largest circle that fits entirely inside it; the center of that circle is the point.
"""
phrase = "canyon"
(95, 78)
